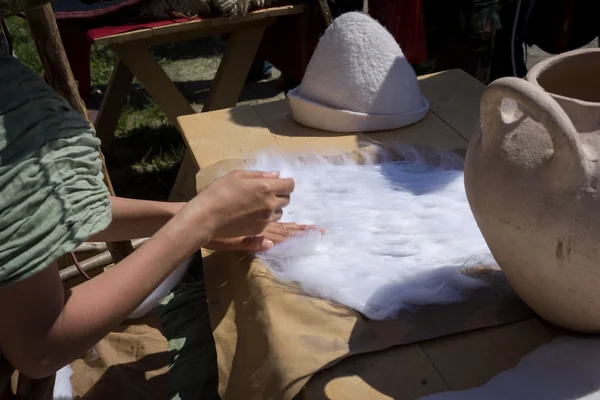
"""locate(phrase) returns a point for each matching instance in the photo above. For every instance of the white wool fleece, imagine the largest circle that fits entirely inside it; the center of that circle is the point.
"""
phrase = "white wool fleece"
(62, 384)
(396, 234)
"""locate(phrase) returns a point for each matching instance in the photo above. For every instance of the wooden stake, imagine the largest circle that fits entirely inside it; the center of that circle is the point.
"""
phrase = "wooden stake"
(52, 54)
(98, 261)
(326, 12)
(57, 70)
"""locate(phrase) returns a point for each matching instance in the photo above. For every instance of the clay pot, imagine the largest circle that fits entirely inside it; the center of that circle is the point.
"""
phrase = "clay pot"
(531, 178)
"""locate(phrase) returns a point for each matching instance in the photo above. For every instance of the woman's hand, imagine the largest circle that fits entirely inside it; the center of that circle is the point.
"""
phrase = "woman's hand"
(241, 203)
(274, 233)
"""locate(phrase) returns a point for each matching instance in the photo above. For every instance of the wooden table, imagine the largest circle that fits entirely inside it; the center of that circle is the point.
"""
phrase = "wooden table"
(134, 60)
(405, 372)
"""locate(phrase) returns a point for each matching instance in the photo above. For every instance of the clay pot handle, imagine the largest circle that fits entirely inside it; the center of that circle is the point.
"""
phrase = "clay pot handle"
(542, 108)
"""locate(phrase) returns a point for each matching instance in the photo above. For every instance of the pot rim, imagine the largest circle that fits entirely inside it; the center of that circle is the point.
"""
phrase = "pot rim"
(542, 66)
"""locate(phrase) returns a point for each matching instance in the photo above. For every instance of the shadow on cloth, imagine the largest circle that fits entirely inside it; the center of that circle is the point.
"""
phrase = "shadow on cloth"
(186, 325)
(272, 337)
(425, 171)
(367, 345)
(129, 380)
(418, 183)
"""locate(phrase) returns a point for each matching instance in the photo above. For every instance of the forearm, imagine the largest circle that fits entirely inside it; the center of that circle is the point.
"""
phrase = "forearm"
(98, 306)
(133, 219)
(94, 308)
(41, 332)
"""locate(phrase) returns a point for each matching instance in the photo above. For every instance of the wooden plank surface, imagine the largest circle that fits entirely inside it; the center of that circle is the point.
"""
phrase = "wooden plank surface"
(470, 359)
(240, 132)
(400, 373)
(113, 102)
(233, 69)
(181, 27)
(460, 362)
(454, 97)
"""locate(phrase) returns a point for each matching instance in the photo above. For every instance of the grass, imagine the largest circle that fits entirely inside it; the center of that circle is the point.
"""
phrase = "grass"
(23, 43)
(148, 150)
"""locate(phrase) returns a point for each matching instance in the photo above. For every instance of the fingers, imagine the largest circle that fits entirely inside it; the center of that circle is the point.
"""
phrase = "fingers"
(281, 186)
(271, 181)
(281, 202)
(258, 174)
(256, 243)
(288, 228)
(278, 232)
(276, 215)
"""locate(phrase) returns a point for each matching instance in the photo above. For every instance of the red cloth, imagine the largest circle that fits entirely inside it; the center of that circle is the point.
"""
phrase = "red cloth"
(404, 20)
(104, 31)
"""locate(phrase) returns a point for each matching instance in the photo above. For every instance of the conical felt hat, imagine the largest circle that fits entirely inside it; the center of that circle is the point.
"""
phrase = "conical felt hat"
(358, 80)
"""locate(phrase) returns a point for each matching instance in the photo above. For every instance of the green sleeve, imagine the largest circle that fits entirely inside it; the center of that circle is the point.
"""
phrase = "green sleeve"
(52, 193)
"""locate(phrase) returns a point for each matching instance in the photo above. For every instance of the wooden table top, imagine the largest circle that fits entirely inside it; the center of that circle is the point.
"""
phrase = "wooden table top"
(404, 372)
(237, 133)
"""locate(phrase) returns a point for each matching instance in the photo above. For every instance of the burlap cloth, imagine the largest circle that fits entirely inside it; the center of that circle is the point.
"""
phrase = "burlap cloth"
(129, 363)
(169, 354)
(271, 338)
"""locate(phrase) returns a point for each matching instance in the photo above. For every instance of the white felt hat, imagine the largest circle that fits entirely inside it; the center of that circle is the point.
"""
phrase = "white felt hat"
(358, 80)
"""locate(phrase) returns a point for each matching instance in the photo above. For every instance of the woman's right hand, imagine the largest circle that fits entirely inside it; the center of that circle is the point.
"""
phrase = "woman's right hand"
(243, 203)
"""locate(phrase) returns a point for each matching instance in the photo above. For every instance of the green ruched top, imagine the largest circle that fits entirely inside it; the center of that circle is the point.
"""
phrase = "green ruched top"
(52, 193)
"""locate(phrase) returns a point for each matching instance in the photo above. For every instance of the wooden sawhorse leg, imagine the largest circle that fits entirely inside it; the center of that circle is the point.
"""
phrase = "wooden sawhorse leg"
(224, 93)
(154, 79)
(136, 61)
(112, 103)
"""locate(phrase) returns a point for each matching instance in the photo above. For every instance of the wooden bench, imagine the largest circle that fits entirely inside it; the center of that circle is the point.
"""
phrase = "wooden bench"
(135, 61)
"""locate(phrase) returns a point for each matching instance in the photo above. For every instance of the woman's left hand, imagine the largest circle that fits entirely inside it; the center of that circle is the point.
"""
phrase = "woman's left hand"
(274, 233)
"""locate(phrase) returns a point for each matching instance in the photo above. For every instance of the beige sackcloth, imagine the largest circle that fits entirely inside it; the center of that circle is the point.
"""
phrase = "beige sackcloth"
(271, 339)
(131, 362)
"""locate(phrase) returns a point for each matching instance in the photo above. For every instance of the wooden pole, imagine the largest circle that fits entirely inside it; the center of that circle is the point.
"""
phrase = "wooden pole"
(326, 12)
(59, 76)
(98, 261)
(52, 54)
